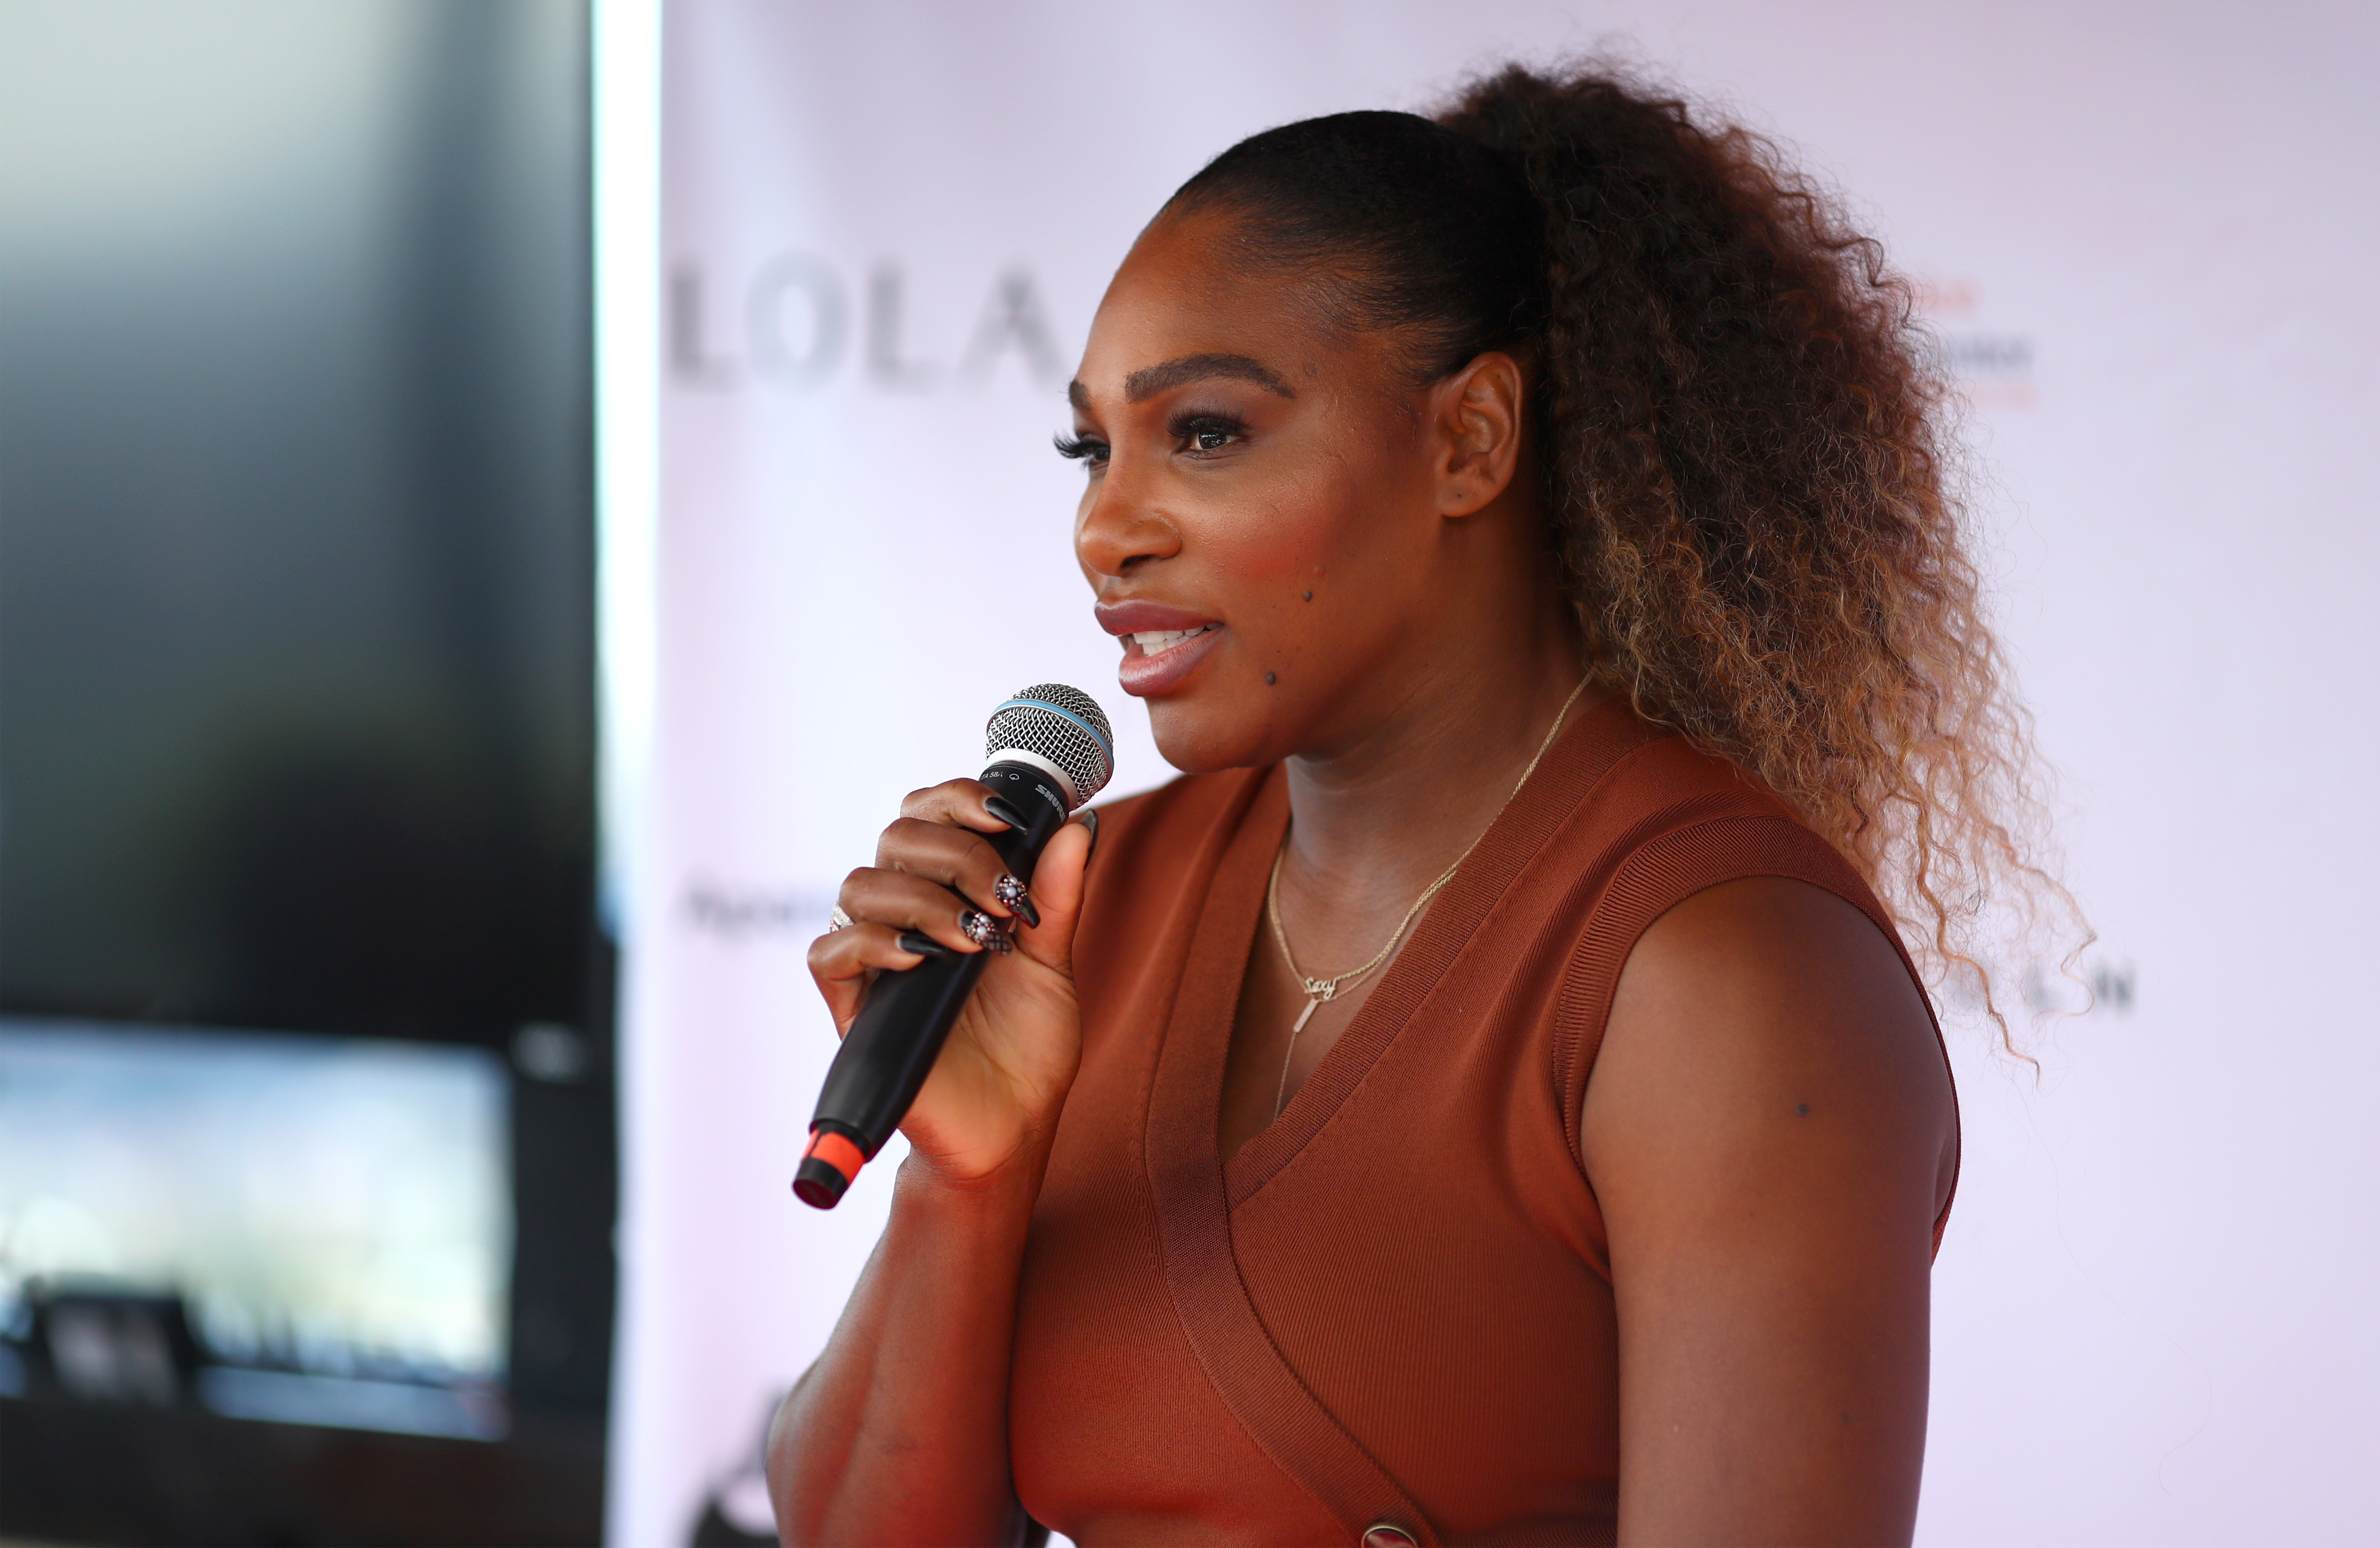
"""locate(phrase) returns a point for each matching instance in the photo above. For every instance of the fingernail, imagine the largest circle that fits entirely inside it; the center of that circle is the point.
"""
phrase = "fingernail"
(998, 806)
(1011, 891)
(923, 944)
(985, 932)
(1091, 820)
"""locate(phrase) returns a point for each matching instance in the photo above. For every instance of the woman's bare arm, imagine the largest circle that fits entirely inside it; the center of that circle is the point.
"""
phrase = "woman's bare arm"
(1771, 1134)
(899, 1432)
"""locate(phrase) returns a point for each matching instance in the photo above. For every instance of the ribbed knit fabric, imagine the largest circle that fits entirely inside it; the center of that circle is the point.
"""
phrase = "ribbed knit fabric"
(1394, 1304)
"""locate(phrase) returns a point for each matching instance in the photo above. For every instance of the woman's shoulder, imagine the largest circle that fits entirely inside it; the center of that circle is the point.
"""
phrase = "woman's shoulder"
(1663, 818)
(1658, 771)
(1653, 823)
(1721, 929)
(1629, 791)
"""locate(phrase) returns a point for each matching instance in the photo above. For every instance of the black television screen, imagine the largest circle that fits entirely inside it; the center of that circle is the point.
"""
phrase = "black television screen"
(296, 565)
(306, 1171)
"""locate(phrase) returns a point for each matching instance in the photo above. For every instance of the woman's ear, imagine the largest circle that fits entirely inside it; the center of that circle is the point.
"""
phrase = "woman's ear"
(1478, 414)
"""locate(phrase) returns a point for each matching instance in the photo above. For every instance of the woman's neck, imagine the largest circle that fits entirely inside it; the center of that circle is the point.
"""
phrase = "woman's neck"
(1374, 822)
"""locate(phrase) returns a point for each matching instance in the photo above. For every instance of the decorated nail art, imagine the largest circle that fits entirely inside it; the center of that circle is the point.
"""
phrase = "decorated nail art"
(985, 932)
(1011, 891)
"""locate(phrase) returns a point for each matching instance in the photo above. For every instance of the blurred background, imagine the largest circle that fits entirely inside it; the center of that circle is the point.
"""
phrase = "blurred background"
(454, 455)
(306, 1118)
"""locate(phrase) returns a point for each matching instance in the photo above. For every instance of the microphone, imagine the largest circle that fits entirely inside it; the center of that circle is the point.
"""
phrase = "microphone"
(1050, 750)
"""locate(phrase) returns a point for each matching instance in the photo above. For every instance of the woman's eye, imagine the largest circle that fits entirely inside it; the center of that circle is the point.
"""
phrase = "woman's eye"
(1083, 449)
(1208, 434)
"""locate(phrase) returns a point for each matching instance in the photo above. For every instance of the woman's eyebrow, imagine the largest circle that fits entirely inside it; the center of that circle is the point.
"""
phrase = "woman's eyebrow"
(1146, 384)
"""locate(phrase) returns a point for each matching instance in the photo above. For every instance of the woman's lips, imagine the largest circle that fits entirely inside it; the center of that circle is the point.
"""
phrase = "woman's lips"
(1155, 660)
(1133, 616)
(1161, 644)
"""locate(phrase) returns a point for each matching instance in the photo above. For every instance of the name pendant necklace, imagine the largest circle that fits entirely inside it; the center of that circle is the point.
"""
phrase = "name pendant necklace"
(1320, 992)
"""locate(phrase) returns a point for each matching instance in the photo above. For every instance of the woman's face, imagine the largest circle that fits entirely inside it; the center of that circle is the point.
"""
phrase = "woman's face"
(1265, 519)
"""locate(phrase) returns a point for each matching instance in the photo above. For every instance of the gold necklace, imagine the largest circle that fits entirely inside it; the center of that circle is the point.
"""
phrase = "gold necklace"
(1319, 991)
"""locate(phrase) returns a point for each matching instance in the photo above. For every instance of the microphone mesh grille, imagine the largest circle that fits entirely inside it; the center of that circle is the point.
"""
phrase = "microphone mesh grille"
(1032, 721)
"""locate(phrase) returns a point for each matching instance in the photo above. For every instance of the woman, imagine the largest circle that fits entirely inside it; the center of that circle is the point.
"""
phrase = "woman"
(1486, 1100)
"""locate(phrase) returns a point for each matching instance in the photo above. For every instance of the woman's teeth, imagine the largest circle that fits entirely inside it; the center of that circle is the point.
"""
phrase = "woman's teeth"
(1156, 642)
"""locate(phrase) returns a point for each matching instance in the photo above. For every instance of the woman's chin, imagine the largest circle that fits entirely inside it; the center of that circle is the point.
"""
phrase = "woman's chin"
(1200, 738)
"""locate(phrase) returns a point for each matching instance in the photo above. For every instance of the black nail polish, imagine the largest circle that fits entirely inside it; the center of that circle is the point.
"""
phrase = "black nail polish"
(998, 806)
(1091, 820)
(923, 944)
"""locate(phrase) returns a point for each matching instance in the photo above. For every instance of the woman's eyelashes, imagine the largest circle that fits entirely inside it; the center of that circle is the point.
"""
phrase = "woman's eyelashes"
(1197, 434)
(1087, 449)
(1203, 433)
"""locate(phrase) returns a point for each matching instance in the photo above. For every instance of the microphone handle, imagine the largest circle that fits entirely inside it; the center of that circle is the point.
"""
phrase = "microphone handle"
(908, 1014)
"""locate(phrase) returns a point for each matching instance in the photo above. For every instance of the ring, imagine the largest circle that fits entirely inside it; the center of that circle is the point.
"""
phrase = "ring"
(837, 919)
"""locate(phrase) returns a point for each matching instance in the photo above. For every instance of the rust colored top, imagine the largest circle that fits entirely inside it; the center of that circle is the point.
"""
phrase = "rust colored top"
(1394, 1305)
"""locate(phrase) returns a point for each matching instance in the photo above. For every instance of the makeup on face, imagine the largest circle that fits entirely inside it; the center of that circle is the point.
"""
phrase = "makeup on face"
(1162, 645)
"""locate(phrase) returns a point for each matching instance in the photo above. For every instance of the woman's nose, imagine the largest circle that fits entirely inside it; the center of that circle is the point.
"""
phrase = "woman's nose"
(1119, 524)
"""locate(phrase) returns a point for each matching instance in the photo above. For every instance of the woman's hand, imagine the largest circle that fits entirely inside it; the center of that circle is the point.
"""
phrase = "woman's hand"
(993, 1097)
(899, 1432)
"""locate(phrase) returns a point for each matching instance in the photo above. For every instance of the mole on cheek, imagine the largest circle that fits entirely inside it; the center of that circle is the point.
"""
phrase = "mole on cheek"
(1310, 596)
(1803, 1108)
(1269, 684)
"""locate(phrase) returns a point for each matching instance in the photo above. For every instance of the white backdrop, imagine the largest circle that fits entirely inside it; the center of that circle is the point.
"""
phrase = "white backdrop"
(2150, 229)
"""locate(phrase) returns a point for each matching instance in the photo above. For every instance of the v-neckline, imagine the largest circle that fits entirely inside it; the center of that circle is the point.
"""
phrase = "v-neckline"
(1195, 1194)
(1234, 915)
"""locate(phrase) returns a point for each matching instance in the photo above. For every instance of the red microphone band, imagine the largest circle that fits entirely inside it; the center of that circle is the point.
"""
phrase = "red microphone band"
(828, 1167)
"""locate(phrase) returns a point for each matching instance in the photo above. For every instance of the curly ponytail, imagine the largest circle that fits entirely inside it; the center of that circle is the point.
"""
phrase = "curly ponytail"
(1744, 447)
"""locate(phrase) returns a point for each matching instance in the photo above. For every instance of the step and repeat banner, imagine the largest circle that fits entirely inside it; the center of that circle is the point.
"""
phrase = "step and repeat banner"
(2144, 236)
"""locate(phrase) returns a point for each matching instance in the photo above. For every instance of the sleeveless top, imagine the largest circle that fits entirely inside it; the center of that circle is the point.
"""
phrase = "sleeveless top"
(1394, 1305)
